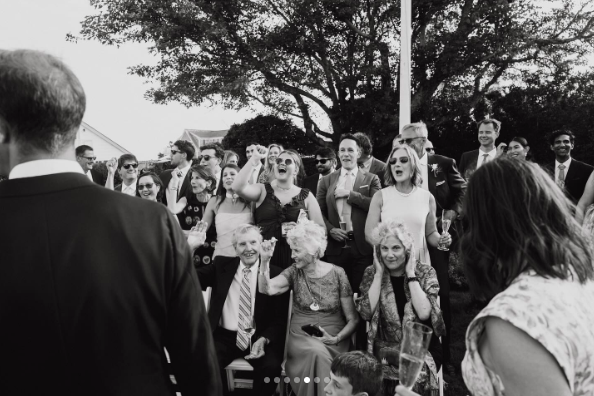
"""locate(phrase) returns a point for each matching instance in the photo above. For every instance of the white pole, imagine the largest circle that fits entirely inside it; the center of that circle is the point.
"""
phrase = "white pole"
(405, 50)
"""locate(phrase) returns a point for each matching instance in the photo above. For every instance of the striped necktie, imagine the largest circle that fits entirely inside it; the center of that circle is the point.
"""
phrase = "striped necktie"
(561, 177)
(245, 310)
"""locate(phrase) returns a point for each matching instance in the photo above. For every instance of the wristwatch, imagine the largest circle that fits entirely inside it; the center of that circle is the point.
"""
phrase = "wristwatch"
(412, 279)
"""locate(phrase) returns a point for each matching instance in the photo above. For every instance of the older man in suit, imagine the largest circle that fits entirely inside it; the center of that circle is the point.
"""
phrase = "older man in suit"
(232, 278)
(344, 197)
(90, 308)
(442, 179)
(488, 132)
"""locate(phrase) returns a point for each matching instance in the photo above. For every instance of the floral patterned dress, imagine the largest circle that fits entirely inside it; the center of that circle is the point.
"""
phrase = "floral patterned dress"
(192, 213)
(558, 313)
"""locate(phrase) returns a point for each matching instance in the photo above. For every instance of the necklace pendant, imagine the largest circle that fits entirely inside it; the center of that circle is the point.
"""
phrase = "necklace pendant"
(314, 306)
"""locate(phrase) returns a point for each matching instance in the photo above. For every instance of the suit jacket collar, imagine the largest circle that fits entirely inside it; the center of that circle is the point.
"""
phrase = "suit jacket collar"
(359, 179)
(45, 184)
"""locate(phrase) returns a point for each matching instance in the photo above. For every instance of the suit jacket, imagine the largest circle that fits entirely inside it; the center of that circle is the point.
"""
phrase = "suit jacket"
(468, 163)
(98, 177)
(446, 184)
(185, 188)
(575, 178)
(365, 186)
(270, 312)
(109, 283)
(311, 183)
(377, 168)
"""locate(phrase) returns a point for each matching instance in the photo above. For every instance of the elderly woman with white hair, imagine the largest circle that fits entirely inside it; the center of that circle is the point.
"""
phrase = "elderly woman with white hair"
(397, 290)
(322, 297)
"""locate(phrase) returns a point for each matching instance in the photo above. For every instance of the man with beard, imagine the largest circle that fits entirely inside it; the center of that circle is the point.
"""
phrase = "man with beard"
(325, 164)
(127, 166)
(488, 133)
(368, 162)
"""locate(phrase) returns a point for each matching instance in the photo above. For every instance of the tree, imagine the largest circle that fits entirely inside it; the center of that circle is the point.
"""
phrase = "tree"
(339, 58)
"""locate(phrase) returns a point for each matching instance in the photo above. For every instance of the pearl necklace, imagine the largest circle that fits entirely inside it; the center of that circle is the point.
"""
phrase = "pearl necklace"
(405, 194)
(233, 197)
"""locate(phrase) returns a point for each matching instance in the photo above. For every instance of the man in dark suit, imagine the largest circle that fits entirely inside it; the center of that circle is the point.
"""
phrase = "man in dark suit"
(488, 132)
(127, 166)
(325, 164)
(182, 153)
(570, 174)
(226, 277)
(346, 194)
(367, 162)
(93, 288)
(442, 179)
(85, 156)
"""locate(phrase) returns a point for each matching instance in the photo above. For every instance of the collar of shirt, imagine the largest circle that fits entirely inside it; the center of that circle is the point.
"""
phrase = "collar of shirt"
(184, 171)
(367, 164)
(423, 159)
(354, 172)
(491, 153)
(242, 266)
(45, 167)
(131, 189)
(557, 170)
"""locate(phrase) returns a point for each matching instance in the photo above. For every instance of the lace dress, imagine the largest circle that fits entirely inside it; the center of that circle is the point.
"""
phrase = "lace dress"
(307, 356)
(559, 314)
(270, 215)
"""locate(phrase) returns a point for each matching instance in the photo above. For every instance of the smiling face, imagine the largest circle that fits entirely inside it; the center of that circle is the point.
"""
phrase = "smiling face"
(516, 150)
(300, 255)
(249, 150)
(147, 188)
(401, 166)
(86, 160)
(198, 184)
(284, 170)
(562, 147)
(393, 254)
(349, 153)
(176, 156)
(209, 160)
(487, 136)
(273, 154)
(248, 247)
(326, 167)
(233, 160)
(130, 174)
(228, 175)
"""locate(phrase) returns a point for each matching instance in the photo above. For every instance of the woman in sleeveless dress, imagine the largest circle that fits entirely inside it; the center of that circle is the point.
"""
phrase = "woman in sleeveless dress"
(405, 200)
(279, 203)
(523, 252)
(229, 211)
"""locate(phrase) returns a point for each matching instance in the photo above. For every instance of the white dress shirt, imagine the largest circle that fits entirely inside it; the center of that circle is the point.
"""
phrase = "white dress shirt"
(342, 177)
(131, 189)
(557, 163)
(90, 176)
(367, 164)
(424, 171)
(255, 173)
(44, 167)
(492, 154)
(230, 316)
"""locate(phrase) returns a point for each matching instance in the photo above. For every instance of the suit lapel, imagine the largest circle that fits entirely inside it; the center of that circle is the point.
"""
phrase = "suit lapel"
(359, 179)
(431, 179)
(185, 184)
(333, 182)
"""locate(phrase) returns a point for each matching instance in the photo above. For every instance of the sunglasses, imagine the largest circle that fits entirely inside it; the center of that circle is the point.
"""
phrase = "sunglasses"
(430, 149)
(205, 157)
(148, 186)
(280, 161)
(322, 161)
(392, 161)
(173, 152)
(410, 140)
(127, 166)
(89, 158)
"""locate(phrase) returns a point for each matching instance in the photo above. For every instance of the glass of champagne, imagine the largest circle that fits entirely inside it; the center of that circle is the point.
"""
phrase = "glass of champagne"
(445, 226)
(249, 327)
(415, 343)
(343, 226)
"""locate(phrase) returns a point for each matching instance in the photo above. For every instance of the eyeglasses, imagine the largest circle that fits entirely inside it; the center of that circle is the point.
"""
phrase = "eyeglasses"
(392, 161)
(173, 152)
(89, 158)
(148, 186)
(280, 161)
(322, 161)
(410, 140)
(429, 149)
(127, 166)
(205, 157)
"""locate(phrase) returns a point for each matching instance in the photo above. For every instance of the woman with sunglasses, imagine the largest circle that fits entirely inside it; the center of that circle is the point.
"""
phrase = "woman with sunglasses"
(150, 187)
(279, 203)
(406, 200)
(273, 151)
(193, 207)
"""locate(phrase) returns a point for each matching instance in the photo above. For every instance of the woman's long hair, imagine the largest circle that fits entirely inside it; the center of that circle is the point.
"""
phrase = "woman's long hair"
(517, 219)
(221, 192)
(416, 178)
(267, 165)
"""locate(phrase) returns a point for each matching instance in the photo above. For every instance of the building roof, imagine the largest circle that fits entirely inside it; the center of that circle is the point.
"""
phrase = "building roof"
(87, 127)
(194, 135)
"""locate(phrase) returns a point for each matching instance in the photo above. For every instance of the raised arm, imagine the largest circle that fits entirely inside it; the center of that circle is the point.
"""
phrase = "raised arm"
(112, 165)
(277, 285)
(586, 200)
(250, 192)
(373, 216)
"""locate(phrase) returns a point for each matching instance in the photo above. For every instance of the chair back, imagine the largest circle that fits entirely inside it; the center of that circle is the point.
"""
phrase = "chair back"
(290, 312)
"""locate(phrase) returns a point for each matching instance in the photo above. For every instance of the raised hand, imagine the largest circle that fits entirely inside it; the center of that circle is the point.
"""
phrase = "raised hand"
(197, 235)
(411, 264)
(501, 149)
(377, 264)
(258, 154)
(267, 249)
(112, 165)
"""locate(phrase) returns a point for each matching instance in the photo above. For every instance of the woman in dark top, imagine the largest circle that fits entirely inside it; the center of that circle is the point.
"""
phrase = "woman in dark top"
(397, 290)
(278, 204)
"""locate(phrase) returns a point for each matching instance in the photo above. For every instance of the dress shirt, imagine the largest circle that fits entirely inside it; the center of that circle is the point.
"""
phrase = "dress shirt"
(44, 167)
(217, 177)
(90, 175)
(255, 173)
(367, 164)
(342, 177)
(492, 154)
(424, 171)
(230, 316)
(131, 189)
(557, 163)
(184, 172)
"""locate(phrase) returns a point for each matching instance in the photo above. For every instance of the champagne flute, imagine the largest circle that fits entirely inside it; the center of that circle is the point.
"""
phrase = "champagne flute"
(343, 226)
(249, 328)
(445, 226)
(415, 343)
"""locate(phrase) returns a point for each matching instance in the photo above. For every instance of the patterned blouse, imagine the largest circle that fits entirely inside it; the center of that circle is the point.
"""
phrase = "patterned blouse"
(558, 313)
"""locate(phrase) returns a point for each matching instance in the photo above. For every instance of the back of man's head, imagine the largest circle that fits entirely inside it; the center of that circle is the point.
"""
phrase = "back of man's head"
(362, 370)
(42, 103)
(365, 142)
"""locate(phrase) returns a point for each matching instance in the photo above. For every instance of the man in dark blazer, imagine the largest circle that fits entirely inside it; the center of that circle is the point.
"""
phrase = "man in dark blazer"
(85, 156)
(488, 132)
(568, 173)
(93, 288)
(225, 276)
(337, 200)
(447, 186)
(368, 162)
(182, 153)
(325, 164)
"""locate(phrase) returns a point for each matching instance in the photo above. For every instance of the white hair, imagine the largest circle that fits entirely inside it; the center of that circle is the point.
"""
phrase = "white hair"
(244, 229)
(310, 236)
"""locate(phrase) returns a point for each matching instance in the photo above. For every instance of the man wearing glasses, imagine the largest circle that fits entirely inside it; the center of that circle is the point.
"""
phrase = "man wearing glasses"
(211, 156)
(429, 147)
(127, 166)
(325, 164)
(86, 159)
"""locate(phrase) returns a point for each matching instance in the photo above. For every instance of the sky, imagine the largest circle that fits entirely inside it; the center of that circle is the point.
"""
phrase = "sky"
(115, 99)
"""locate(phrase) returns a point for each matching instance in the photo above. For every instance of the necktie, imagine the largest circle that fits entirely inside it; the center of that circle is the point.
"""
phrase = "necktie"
(245, 310)
(252, 176)
(485, 159)
(346, 207)
(561, 178)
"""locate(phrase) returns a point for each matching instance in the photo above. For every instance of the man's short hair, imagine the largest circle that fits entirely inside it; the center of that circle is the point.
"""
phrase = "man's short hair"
(42, 103)
(126, 157)
(82, 149)
(186, 147)
(365, 141)
(362, 369)
(326, 152)
(351, 137)
(420, 129)
(219, 152)
(496, 124)
(555, 134)
(244, 229)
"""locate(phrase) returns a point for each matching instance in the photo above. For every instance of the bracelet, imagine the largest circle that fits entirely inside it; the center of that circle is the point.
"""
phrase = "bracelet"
(337, 339)
(412, 279)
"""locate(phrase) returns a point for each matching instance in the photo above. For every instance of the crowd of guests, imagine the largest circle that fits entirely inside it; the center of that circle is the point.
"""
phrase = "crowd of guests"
(360, 246)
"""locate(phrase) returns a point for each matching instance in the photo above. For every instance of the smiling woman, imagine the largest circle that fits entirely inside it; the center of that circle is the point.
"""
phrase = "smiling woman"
(150, 187)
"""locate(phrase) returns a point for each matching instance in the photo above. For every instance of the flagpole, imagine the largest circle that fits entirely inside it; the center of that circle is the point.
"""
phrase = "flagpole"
(405, 51)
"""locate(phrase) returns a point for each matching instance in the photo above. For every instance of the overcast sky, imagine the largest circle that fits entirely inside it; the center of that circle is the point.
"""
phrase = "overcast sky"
(115, 100)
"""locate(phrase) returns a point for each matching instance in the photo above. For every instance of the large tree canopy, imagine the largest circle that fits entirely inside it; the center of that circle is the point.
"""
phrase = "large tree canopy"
(339, 58)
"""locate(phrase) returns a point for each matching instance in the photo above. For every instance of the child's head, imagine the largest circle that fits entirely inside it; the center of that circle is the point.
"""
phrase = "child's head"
(354, 374)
